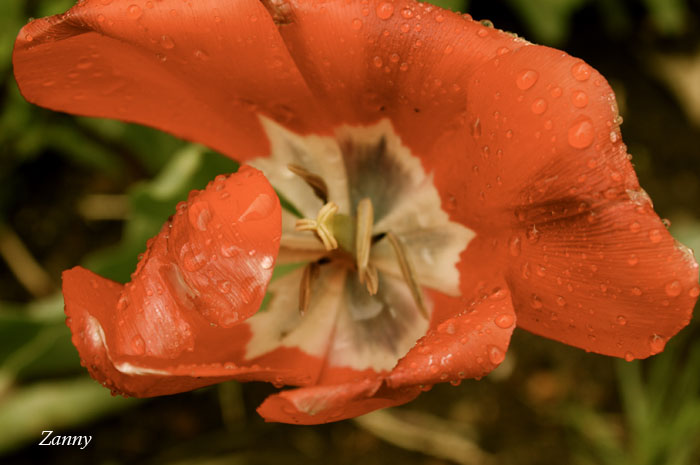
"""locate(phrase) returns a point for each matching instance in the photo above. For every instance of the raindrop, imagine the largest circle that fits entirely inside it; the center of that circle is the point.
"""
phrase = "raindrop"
(137, 345)
(674, 288)
(581, 71)
(694, 292)
(539, 106)
(122, 302)
(621, 320)
(656, 344)
(525, 79)
(556, 92)
(134, 11)
(496, 355)
(377, 62)
(190, 260)
(385, 10)
(476, 128)
(407, 13)
(535, 302)
(482, 33)
(636, 291)
(629, 356)
(504, 320)
(655, 236)
(357, 24)
(514, 246)
(267, 262)
(561, 301)
(633, 260)
(199, 215)
(581, 133)
(579, 99)
(224, 287)
(635, 227)
(167, 42)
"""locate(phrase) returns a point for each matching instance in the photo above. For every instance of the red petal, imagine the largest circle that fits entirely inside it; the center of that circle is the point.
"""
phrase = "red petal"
(206, 271)
(468, 345)
(199, 70)
(404, 60)
(610, 279)
(326, 403)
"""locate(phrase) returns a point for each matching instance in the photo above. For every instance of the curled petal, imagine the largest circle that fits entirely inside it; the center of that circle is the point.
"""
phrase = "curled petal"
(468, 345)
(205, 272)
(326, 403)
(610, 280)
(168, 65)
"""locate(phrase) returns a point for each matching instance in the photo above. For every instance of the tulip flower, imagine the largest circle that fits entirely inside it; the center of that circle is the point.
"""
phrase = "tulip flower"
(449, 181)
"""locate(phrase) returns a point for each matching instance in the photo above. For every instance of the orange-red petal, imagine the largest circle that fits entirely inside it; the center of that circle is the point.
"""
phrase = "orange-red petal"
(470, 344)
(205, 272)
(326, 403)
(200, 70)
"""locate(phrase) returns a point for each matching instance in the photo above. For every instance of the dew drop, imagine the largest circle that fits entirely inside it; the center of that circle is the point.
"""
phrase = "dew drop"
(504, 320)
(636, 291)
(190, 260)
(137, 345)
(377, 61)
(635, 227)
(581, 133)
(199, 215)
(561, 301)
(556, 92)
(526, 79)
(674, 288)
(496, 355)
(621, 320)
(407, 13)
(134, 11)
(167, 42)
(356, 24)
(656, 343)
(694, 291)
(267, 262)
(629, 356)
(655, 236)
(535, 302)
(581, 71)
(579, 99)
(539, 106)
(514, 246)
(385, 10)
(632, 260)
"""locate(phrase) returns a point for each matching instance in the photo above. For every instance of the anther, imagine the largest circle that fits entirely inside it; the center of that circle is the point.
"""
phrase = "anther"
(314, 181)
(409, 274)
(307, 280)
(322, 225)
(363, 237)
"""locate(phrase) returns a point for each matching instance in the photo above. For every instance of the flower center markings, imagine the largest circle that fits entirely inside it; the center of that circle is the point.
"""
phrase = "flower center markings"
(354, 247)
(371, 239)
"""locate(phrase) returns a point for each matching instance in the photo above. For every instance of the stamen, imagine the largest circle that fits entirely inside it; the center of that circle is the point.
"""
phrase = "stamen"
(314, 181)
(408, 274)
(372, 279)
(363, 237)
(307, 280)
(322, 225)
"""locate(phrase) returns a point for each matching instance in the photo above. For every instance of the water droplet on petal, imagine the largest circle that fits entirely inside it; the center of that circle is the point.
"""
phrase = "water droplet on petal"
(629, 356)
(191, 261)
(535, 302)
(539, 106)
(385, 10)
(526, 79)
(134, 11)
(357, 24)
(635, 227)
(514, 246)
(655, 236)
(199, 215)
(674, 288)
(636, 291)
(496, 355)
(656, 343)
(581, 71)
(476, 128)
(581, 133)
(267, 262)
(632, 260)
(621, 320)
(504, 320)
(167, 42)
(137, 345)
(579, 99)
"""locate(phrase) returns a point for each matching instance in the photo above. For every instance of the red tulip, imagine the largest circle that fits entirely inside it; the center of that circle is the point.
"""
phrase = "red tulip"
(453, 179)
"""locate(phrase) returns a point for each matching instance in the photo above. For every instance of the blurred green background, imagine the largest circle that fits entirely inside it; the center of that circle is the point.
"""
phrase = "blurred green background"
(83, 191)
